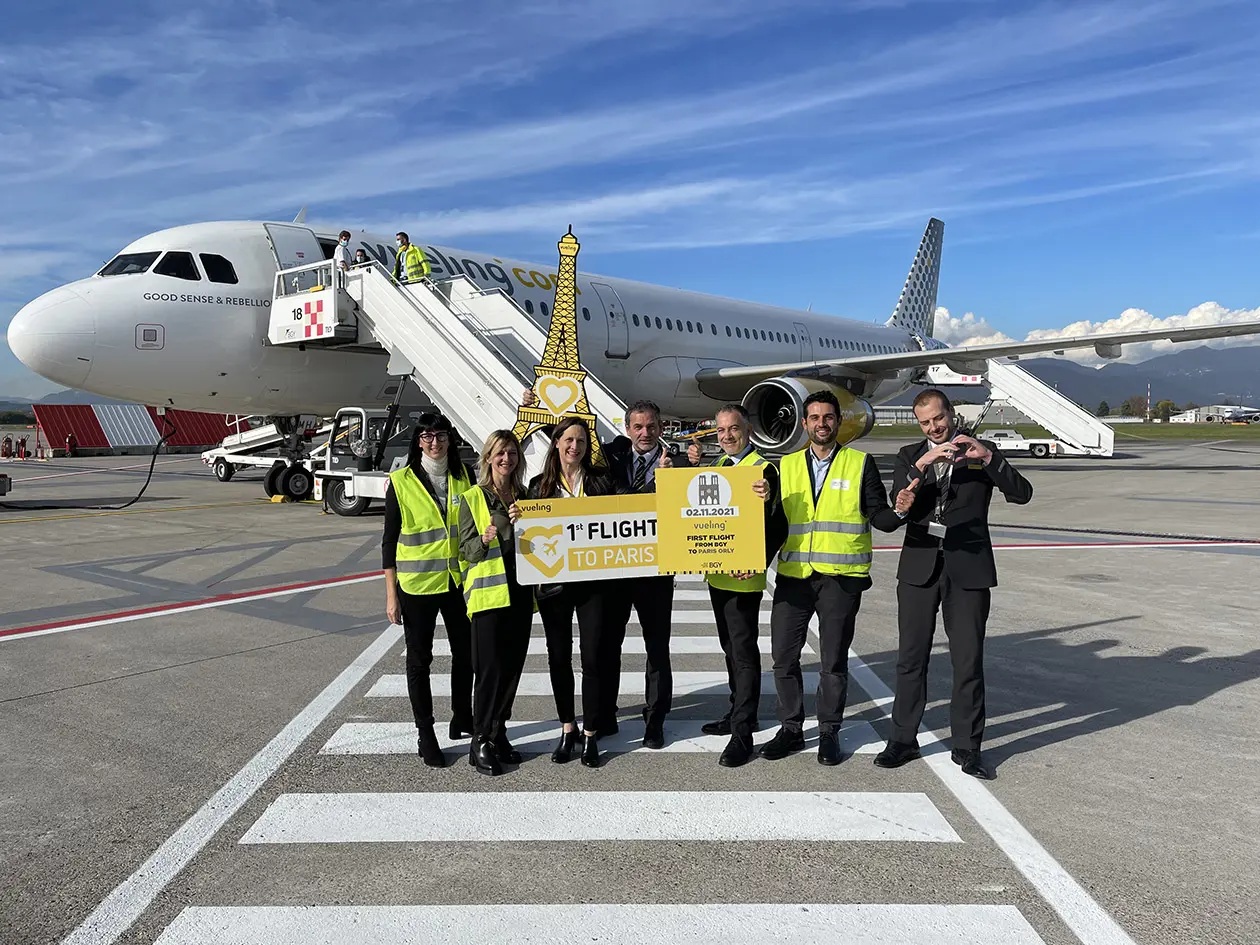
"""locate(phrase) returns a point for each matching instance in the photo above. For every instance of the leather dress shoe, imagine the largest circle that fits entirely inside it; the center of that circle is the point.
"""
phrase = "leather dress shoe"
(829, 749)
(738, 751)
(482, 756)
(428, 749)
(503, 748)
(590, 752)
(720, 727)
(563, 751)
(460, 729)
(654, 736)
(896, 754)
(972, 763)
(785, 742)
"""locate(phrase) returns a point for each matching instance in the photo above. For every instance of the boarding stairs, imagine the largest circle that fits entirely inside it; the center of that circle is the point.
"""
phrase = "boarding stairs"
(265, 436)
(1079, 432)
(471, 350)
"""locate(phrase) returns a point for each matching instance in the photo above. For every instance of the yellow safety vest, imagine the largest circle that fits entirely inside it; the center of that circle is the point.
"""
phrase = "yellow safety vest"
(834, 538)
(728, 582)
(428, 545)
(486, 584)
(413, 264)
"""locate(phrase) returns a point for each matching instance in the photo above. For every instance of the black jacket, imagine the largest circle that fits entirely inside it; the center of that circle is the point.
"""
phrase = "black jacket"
(619, 454)
(967, 547)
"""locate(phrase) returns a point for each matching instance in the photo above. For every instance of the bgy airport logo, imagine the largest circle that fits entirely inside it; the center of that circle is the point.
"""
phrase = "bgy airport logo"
(709, 496)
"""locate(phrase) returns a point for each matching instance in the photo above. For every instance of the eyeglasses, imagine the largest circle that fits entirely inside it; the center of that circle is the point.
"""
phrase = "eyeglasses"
(433, 437)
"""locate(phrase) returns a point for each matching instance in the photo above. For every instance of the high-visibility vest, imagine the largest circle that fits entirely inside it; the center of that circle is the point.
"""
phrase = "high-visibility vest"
(486, 584)
(834, 538)
(728, 582)
(413, 264)
(428, 544)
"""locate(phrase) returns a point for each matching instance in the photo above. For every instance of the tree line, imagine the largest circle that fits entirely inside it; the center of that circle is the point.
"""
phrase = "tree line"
(1135, 406)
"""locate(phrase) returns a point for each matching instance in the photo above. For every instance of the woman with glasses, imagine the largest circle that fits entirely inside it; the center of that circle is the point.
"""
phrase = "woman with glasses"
(569, 473)
(420, 556)
(502, 611)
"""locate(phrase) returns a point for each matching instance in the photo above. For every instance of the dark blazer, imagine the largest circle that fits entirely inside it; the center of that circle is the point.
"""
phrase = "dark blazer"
(967, 546)
(619, 455)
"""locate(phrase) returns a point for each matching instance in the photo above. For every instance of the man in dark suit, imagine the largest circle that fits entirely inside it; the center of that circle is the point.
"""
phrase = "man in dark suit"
(943, 486)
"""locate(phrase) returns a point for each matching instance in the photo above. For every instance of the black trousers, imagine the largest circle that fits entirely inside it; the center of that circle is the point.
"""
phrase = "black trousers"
(419, 616)
(796, 600)
(737, 614)
(500, 643)
(599, 638)
(652, 599)
(965, 613)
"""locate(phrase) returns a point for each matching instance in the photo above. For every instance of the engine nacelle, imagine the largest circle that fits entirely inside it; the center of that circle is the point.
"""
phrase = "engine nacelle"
(777, 408)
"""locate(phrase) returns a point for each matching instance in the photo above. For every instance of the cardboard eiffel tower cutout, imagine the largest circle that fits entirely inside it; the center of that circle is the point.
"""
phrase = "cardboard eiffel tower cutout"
(559, 381)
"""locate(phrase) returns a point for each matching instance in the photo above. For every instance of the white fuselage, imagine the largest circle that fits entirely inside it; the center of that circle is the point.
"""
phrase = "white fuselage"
(201, 345)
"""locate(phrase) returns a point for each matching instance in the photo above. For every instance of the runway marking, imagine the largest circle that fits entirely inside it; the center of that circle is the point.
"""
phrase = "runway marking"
(145, 511)
(542, 816)
(206, 603)
(717, 924)
(1078, 910)
(682, 736)
(104, 469)
(122, 907)
(678, 646)
(394, 685)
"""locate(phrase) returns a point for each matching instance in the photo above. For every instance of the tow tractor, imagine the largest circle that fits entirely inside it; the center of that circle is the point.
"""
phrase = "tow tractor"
(364, 446)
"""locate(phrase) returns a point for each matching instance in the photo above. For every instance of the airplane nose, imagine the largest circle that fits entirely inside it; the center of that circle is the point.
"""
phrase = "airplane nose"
(55, 336)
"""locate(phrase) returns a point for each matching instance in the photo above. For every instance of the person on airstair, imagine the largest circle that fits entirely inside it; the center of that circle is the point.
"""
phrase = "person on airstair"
(410, 265)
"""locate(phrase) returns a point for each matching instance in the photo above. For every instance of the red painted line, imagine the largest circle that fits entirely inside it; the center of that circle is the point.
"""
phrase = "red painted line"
(187, 605)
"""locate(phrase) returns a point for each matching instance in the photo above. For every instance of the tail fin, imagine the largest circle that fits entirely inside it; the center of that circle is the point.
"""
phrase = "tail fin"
(916, 309)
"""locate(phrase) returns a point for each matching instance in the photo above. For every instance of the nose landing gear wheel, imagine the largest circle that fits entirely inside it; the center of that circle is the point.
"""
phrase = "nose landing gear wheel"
(271, 482)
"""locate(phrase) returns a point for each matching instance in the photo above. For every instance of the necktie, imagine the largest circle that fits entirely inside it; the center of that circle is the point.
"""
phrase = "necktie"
(640, 474)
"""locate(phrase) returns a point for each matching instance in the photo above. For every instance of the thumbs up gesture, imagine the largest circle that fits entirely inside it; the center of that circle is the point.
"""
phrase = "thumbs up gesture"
(490, 534)
(693, 454)
(905, 498)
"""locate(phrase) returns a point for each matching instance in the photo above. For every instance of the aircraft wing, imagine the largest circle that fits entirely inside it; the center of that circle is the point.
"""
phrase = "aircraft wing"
(970, 359)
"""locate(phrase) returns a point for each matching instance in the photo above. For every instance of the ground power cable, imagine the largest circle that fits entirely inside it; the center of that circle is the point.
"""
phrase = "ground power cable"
(60, 507)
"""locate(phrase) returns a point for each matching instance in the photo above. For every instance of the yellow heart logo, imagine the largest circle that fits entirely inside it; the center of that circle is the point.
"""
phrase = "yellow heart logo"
(533, 541)
(558, 394)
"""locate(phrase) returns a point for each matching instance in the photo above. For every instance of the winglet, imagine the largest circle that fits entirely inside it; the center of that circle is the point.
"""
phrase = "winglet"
(916, 309)
(301, 216)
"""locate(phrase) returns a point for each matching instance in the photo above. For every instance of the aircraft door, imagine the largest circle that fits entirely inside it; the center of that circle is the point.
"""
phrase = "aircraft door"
(618, 327)
(293, 245)
(807, 347)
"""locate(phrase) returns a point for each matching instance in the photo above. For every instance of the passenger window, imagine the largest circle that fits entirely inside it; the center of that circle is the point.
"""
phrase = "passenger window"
(778, 337)
(529, 306)
(128, 264)
(713, 328)
(728, 331)
(218, 269)
(794, 339)
(586, 313)
(179, 265)
(658, 322)
(542, 306)
(636, 320)
(669, 324)
(689, 326)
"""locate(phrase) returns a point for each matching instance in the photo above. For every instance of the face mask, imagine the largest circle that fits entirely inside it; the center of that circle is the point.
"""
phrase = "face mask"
(345, 242)
(399, 242)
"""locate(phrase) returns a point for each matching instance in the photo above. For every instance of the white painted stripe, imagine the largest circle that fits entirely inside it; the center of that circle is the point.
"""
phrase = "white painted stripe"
(120, 909)
(1078, 910)
(394, 685)
(635, 646)
(702, 618)
(726, 924)
(538, 816)
(538, 738)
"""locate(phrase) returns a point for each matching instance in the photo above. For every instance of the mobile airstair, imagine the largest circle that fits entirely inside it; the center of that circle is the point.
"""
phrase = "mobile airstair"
(471, 350)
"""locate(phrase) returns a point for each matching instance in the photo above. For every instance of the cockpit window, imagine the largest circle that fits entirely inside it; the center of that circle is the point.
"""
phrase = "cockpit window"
(218, 269)
(179, 265)
(128, 263)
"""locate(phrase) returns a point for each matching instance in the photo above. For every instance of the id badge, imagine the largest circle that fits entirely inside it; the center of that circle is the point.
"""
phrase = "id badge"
(936, 529)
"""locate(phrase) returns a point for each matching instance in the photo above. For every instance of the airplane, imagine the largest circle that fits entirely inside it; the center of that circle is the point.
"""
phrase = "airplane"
(180, 317)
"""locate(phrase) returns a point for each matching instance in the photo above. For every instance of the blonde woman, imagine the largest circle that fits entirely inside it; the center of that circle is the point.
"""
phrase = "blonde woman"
(501, 610)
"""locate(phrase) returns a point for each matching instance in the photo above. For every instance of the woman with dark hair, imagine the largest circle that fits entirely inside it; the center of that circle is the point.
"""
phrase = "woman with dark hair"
(420, 556)
(569, 473)
(502, 611)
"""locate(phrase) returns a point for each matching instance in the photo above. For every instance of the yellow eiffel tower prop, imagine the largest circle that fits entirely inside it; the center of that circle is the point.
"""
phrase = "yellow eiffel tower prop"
(559, 380)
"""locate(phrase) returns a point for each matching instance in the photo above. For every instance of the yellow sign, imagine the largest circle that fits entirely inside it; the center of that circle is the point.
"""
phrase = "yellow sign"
(587, 539)
(710, 520)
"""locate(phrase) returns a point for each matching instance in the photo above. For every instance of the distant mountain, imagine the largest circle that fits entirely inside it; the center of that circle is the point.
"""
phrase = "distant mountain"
(77, 397)
(1203, 375)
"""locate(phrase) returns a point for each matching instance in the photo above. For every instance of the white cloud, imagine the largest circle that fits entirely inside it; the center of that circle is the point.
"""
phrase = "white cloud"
(969, 329)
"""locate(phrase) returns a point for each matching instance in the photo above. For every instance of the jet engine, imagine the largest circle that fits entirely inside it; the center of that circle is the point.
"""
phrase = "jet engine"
(776, 408)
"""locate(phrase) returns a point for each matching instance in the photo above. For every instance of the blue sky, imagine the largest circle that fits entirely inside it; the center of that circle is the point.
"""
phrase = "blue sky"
(1093, 162)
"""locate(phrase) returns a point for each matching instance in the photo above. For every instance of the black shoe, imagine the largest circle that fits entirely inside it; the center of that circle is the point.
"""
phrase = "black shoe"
(972, 763)
(738, 751)
(896, 754)
(785, 742)
(460, 730)
(829, 749)
(720, 727)
(654, 736)
(427, 747)
(503, 748)
(483, 757)
(563, 751)
(590, 752)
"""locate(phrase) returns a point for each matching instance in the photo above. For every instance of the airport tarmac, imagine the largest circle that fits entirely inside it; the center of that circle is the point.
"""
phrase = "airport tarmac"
(202, 741)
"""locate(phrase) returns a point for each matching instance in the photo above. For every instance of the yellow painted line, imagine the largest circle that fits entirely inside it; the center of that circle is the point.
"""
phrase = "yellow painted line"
(5, 520)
